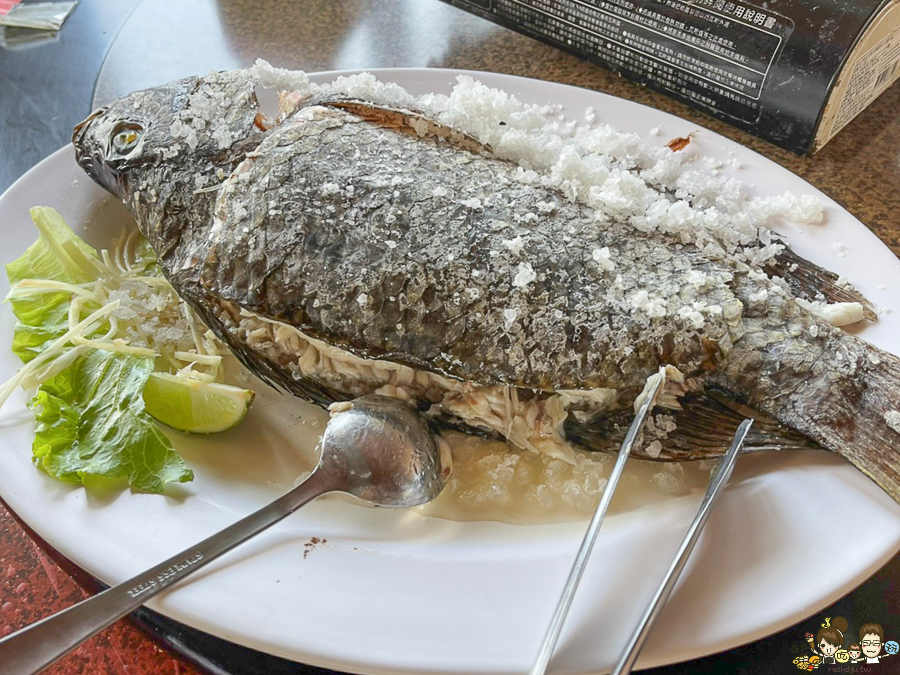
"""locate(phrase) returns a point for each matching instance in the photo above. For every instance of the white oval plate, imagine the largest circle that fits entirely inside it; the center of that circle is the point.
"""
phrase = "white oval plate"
(397, 592)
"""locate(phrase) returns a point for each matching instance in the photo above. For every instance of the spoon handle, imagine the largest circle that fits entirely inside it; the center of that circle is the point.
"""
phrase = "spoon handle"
(35, 647)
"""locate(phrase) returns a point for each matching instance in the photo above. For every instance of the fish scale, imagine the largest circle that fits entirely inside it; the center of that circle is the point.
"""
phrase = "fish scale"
(329, 258)
(404, 256)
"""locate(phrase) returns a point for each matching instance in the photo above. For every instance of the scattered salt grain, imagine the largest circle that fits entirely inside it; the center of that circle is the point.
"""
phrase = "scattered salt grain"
(179, 129)
(840, 249)
(697, 278)
(509, 317)
(666, 482)
(239, 211)
(674, 469)
(652, 307)
(603, 258)
(524, 276)
(362, 299)
(836, 313)
(473, 203)
(514, 245)
(693, 316)
(892, 417)
(223, 137)
(653, 449)
(280, 78)
(439, 192)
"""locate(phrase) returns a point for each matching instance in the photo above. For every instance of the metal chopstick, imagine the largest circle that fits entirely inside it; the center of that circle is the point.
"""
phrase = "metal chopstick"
(716, 483)
(565, 600)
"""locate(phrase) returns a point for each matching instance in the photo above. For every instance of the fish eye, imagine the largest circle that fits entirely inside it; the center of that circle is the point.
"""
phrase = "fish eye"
(125, 137)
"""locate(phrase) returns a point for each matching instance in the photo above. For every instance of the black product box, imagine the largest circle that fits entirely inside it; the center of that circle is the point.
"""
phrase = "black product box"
(792, 72)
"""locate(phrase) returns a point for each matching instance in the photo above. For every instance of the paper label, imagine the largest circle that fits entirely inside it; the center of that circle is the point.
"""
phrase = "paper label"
(871, 75)
(872, 66)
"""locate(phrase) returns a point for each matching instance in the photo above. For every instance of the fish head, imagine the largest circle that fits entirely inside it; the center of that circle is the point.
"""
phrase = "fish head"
(183, 128)
(118, 138)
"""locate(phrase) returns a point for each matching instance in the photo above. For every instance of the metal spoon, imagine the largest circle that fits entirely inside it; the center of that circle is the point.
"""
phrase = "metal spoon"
(378, 449)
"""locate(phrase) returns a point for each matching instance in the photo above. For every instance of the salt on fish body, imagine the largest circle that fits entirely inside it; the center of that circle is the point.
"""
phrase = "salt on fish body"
(356, 247)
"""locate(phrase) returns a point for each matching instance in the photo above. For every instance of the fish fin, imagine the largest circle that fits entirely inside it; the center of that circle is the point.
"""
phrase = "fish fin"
(704, 428)
(402, 119)
(810, 282)
(854, 410)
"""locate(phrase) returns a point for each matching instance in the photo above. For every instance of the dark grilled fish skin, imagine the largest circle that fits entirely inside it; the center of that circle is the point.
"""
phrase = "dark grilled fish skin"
(379, 232)
(406, 261)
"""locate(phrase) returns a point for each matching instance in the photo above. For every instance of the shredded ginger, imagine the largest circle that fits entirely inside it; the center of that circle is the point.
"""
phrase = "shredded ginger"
(128, 308)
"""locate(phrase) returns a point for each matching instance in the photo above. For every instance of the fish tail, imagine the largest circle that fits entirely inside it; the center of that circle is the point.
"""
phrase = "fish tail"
(868, 421)
(850, 404)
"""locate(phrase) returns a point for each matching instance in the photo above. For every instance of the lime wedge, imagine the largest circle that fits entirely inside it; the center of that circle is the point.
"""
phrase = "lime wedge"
(195, 406)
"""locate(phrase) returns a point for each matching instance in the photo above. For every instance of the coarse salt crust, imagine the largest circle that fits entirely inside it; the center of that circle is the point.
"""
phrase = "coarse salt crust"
(617, 174)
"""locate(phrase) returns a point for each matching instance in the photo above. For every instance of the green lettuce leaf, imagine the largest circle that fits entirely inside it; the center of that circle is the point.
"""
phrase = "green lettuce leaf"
(91, 421)
(29, 341)
(90, 417)
(58, 255)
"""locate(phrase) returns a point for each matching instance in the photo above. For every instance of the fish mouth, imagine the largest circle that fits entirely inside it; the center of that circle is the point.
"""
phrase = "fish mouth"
(79, 133)
(90, 152)
(81, 125)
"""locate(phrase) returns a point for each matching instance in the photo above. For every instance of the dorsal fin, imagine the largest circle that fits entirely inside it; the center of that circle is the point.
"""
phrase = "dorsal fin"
(402, 119)
(807, 280)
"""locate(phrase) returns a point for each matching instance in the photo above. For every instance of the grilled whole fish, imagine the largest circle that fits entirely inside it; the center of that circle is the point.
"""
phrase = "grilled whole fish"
(354, 247)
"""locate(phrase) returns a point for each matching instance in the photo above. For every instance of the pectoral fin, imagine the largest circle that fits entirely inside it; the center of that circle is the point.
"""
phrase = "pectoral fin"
(704, 430)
